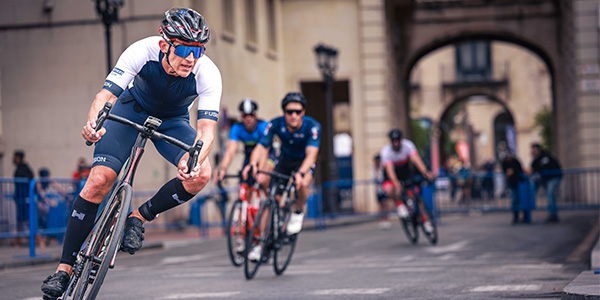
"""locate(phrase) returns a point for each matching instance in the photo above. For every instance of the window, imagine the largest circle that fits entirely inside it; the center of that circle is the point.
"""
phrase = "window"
(272, 23)
(228, 19)
(473, 61)
(251, 23)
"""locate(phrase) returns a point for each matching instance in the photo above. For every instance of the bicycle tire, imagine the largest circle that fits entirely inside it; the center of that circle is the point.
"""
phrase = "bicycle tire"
(410, 224)
(106, 245)
(251, 267)
(285, 244)
(432, 236)
(234, 233)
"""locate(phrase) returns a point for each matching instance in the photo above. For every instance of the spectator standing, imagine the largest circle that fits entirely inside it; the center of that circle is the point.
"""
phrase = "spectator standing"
(82, 171)
(21, 198)
(514, 173)
(487, 184)
(548, 172)
(382, 198)
(47, 190)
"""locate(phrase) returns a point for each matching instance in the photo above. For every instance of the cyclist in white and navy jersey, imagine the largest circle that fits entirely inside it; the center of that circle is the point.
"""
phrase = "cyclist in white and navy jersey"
(248, 132)
(157, 76)
(396, 157)
(300, 137)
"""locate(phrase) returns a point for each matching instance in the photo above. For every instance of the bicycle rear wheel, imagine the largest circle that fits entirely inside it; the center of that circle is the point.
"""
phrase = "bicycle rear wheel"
(431, 235)
(410, 224)
(235, 232)
(104, 247)
(285, 244)
(255, 238)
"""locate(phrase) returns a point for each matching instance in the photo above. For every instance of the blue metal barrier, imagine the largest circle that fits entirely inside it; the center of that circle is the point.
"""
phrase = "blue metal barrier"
(579, 189)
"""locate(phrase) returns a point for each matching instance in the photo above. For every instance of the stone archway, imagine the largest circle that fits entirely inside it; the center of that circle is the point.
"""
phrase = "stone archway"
(418, 28)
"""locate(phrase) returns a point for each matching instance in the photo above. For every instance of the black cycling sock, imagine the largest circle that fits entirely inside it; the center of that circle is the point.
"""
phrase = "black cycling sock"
(170, 195)
(79, 226)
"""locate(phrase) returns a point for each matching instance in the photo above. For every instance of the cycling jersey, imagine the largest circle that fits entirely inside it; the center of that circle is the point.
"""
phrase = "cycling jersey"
(145, 89)
(293, 145)
(400, 159)
(139, 73)
(239, 133)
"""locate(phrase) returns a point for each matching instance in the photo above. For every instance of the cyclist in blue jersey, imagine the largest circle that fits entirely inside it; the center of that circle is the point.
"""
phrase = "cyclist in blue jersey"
(300, 137)
(157, 76)
(249, 132)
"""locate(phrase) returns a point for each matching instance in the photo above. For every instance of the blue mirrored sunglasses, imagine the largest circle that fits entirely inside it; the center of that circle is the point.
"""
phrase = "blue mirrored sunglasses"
(184, 51)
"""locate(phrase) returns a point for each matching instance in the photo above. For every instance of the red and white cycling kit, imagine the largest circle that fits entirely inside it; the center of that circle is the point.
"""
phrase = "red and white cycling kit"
(400, 159)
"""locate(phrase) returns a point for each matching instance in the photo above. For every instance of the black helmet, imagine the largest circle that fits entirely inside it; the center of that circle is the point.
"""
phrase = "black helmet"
(185, 26)
(395, 134)
(293, 97)
(248, 106)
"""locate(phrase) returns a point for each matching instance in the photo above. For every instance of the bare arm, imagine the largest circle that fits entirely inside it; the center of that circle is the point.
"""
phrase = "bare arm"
(258, 155)
(227, 158)
(206, 133)
(89, 133)
(310, 159)
(418, 162)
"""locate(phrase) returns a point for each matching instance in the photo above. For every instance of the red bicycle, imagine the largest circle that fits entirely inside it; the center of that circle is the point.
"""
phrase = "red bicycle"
(241, 220)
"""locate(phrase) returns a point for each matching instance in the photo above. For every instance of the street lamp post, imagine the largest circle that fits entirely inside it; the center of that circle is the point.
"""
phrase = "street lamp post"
(327, 63)
(109, 10)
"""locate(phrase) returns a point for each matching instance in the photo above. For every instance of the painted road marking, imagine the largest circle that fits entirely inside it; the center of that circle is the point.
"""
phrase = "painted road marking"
(375, 291)
(455, 247)
(543, 266)
(308, 272)
(507, 288)
(189, 258)
(311, 252)
(193, 275)
(417, 269)
(200, 295)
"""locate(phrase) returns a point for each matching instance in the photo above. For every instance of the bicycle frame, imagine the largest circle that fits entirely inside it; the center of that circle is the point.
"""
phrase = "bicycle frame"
(125, 181)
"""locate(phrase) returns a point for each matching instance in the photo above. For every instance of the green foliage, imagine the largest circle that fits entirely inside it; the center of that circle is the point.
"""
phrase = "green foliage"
(420, 136)
(543, 119)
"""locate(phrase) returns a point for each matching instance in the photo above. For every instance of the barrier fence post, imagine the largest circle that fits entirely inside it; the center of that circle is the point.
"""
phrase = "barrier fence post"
(32, 217)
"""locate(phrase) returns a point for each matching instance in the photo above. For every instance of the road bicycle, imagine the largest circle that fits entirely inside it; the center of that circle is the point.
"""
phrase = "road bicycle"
(269, 229)
(100, 250)
(411, 197)
(240, 221)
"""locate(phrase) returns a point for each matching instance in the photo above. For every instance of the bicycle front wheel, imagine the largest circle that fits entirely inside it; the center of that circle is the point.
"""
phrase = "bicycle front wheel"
(285, 244)
(235, 232)
(260, 235)
(410, 224)
(105, 245)
(431, 233)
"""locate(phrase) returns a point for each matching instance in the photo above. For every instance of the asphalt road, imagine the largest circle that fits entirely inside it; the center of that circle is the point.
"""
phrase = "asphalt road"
(478, 257)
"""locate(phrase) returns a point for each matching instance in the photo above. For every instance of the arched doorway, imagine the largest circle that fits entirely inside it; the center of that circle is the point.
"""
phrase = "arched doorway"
(465, 86)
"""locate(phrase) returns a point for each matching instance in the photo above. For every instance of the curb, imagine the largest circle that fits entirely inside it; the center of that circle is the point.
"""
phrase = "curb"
(583, 287)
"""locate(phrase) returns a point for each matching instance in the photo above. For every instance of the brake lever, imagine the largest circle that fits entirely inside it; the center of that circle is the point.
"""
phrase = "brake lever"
(194, 153)
(102, 115)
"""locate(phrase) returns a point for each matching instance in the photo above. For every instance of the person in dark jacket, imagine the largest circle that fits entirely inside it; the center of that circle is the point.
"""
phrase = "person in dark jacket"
(548, 172)
(23, 176)
(514, 173)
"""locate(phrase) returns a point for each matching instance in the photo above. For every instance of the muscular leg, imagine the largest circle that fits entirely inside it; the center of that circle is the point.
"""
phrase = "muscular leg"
(97, 186)
(303, 192)
(192, 187)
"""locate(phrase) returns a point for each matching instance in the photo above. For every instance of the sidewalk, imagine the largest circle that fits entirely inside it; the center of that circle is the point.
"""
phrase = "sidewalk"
(11, 257)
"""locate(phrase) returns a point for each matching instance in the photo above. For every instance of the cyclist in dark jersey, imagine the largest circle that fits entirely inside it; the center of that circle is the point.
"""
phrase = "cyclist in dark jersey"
(159, 76)
(300, 137)
(249, 132)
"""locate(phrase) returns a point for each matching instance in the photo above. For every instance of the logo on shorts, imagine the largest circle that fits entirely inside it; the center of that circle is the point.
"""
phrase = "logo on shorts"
(99, 159)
